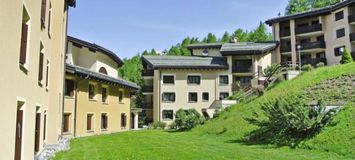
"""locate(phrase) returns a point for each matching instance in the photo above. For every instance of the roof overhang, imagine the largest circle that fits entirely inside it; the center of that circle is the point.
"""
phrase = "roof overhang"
(71, 3)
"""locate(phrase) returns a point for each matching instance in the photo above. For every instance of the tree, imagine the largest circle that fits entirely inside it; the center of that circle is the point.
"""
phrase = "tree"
(297, 6)
(346, 57)
(225, 38)
(260, 34)
(323, 3)
(187, 119)
(211, 38)
(241, 35)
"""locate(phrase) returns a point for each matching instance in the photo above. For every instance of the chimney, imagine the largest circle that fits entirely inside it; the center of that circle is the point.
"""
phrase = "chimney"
(234, 40)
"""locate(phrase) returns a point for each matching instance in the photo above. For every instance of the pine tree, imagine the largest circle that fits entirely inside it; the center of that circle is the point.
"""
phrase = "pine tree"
(225, 38)
(260, 34)
(211, 38)
(323, 3)
(241, 35)
(297, 6)
(346, 57)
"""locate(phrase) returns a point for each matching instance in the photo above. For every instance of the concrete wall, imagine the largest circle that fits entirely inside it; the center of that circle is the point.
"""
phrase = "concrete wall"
(19, 84)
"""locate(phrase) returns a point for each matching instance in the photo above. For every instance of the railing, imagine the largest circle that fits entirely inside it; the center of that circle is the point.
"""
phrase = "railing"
(351, 18)
(285, 48)
(147, 89)
(314, 61)
(308, 29)
(285, 33)
(352, 37)
(147, 105)
(312, 45)
(147, 73)
(242, 69)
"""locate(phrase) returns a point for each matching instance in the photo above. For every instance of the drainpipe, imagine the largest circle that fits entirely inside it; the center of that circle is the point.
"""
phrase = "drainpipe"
(159, 98)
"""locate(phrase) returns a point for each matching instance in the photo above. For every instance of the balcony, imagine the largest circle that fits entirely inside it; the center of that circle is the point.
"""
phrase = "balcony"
(242, 69)
(285, 49)
(147, 105)
(285, 33)
(147, 89)
(314, 61)
(309, 29)
(148, 73)
(313, 45)
(352, 37)
(351, 19)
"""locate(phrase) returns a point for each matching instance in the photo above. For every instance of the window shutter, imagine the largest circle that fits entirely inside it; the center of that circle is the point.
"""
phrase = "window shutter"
(23, 48)
(88, 122)
(47, 73)
(40, 69)
(43, 12)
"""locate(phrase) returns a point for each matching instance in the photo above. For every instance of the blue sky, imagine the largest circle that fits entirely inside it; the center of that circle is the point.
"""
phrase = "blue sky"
(130, 26)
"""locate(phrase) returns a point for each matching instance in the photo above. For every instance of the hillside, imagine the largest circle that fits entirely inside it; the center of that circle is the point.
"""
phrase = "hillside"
(335, 85)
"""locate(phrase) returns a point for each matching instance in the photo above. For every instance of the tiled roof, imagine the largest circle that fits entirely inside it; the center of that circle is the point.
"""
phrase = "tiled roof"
(186, 62)
(80, 71)
(247, 48)
(314, 12)
(94, 47)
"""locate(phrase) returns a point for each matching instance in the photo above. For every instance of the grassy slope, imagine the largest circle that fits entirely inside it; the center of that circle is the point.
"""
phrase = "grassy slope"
(218, 139)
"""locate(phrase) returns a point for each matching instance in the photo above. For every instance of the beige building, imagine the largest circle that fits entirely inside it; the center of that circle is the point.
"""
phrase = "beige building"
(202, 80)
(321, 34)
(32, 42)
(96, 101)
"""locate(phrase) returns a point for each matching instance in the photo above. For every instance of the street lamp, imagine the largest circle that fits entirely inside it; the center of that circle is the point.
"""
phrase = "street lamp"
(299, 57)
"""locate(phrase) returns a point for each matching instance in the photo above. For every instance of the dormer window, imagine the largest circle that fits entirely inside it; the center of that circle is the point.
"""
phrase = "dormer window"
(205, 52)
(103, 70)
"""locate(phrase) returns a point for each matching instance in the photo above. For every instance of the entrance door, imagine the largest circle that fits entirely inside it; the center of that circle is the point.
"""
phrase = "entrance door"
(37, 131)
(18, 139)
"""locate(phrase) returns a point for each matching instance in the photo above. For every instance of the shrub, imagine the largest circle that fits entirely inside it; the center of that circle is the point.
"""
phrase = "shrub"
(217, 112)
(288, 121)
(346, 57)
(270, 70)
(187, 119)
(307, 67)
(320, 64)
(157, 125)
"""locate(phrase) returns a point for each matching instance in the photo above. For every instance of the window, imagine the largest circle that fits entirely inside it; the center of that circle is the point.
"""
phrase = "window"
(120, 96)
(339, 51)
(40, 64)
(193, 97)
(205, 96)
(168, 79)
(69, 87)
(103, 70)
(193, 79)
(104, 94)
(49, 18)
(168, 114)
(43, 13)
(168, 97)
(104, 121)
(242, 66)
(47, 75)
(89, 121)
(223, 80)
(44, 125)
(340, 33)
(320, 55)
(223, 95)
(123, 120)
(24, 37)
(66, 122)
(339, 15)
(91, 91)
(320, 38)
(244, 81)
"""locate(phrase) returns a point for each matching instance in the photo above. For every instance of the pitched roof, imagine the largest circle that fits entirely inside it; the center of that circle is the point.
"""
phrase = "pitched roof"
(315, 12)
(247, 48)
(94, 47)
(204, 45)
(80, 71)
(185, 62)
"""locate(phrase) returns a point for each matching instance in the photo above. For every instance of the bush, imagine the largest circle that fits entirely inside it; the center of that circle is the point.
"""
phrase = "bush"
(307, 67)
(346, 57)
(288, 121)
(320, 64)
(157, 125)
(187, 119)
(270, 70)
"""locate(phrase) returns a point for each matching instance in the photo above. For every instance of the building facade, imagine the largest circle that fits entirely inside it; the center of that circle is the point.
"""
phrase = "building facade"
(320, 35)
(96, 100)
(203, 80)
(33, 40)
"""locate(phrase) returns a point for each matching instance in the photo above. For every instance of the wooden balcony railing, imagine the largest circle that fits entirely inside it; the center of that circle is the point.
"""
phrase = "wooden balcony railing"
(309, 29)
(313, 45)
(285, 33)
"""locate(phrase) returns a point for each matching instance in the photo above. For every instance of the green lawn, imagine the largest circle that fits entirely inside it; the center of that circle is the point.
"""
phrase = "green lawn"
(174, 145)
(221, 138)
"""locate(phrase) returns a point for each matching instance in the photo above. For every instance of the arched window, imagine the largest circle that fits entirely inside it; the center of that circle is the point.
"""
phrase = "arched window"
(103, 70)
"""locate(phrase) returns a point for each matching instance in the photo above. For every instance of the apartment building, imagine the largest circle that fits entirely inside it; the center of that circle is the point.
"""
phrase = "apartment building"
(318, 36)
(32, 42)
(96, 100)
(201, 81)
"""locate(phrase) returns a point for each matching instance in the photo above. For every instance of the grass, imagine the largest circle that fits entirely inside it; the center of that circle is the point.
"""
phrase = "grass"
(221, 138)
